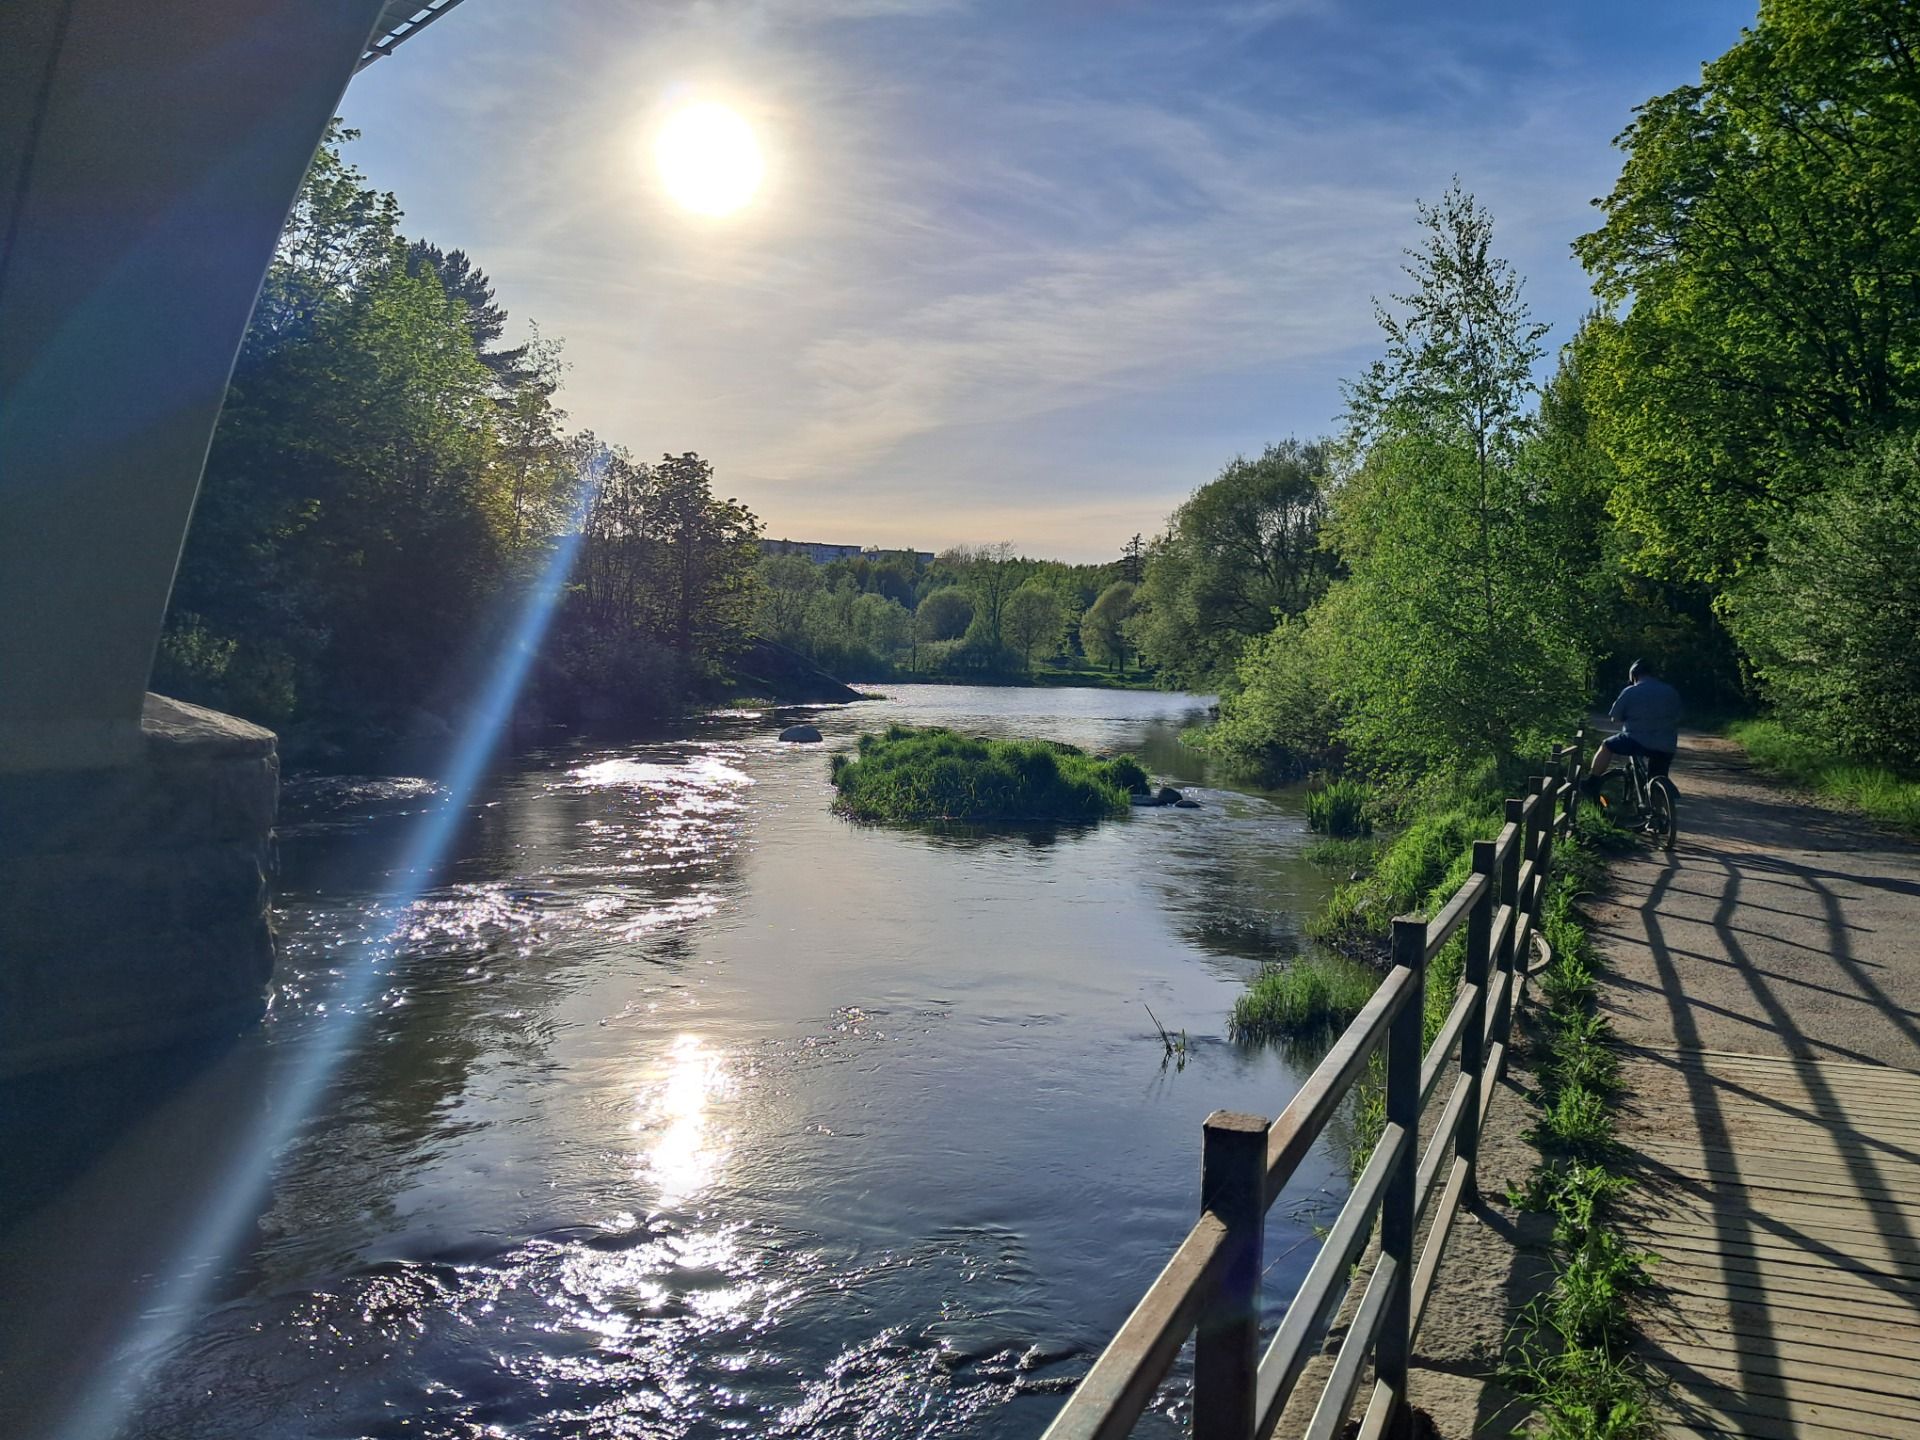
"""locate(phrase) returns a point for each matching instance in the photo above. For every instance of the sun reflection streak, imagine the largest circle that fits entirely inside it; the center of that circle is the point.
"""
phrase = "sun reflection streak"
(687, 1148)
(233, 1202)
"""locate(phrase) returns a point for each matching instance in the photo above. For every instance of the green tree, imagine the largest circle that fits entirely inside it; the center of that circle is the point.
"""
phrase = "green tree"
(1034, 619)
(707, 552)
(944, 614)
(788, 584)
(990, 574)
(1103, 629)
(1243, 550)
(1460, 641)
(1762, 248)
(1830, 622)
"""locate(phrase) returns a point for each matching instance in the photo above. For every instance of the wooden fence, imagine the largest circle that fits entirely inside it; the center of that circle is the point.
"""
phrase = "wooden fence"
(1212, 1283)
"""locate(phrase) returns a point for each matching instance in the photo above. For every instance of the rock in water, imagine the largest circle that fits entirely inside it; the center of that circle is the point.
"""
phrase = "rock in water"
(1186, 804)
(800, 735)
(1168, 796)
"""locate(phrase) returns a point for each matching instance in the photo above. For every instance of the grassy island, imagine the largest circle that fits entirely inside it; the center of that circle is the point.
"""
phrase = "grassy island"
(935, 774)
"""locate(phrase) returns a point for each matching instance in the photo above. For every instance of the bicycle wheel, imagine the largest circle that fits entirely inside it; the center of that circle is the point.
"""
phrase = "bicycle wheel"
(1616, 801)
(1664, 804)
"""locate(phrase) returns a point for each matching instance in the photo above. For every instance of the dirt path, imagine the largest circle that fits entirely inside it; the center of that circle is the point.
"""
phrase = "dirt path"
(1763, 977)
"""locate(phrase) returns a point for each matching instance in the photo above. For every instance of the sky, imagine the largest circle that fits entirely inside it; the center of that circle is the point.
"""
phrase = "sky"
(1027, 272)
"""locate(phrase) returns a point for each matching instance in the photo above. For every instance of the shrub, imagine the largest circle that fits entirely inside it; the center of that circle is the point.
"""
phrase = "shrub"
(909, 774)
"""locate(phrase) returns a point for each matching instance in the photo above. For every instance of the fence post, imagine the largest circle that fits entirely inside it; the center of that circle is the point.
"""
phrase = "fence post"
(1393, 1357)
(1226, 1354)
(1473, 1049)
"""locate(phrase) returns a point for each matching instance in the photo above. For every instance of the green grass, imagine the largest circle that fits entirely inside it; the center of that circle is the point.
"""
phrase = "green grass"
(1873, 790)
(1418, 868)
(1315, 994)
(908, 774)
(1341, 809)
(1348, 855)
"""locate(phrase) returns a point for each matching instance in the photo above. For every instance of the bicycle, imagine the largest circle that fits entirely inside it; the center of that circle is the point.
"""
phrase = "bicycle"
(1636, 799)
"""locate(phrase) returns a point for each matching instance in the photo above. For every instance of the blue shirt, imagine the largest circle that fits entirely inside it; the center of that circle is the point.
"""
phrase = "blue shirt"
(1649, 711)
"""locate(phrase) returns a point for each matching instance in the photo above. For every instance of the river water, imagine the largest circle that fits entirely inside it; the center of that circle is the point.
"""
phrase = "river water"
(688, 1109)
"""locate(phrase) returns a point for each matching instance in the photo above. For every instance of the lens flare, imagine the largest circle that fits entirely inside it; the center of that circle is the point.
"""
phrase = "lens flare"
(223, 1228)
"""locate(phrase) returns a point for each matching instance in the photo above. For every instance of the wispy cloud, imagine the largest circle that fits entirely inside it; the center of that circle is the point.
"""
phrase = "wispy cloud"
(1037, 228)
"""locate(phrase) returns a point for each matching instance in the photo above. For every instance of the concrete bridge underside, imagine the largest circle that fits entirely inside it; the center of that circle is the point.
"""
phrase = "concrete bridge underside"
(149, 154)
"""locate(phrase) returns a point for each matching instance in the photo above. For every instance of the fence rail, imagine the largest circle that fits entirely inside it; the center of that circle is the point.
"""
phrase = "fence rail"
(1211, 1286)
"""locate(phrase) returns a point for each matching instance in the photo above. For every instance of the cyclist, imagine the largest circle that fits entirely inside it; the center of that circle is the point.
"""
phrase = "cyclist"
(1649, 714)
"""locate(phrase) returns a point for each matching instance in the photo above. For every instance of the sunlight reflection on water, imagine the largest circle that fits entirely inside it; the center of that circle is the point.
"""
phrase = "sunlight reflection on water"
(687, 1147)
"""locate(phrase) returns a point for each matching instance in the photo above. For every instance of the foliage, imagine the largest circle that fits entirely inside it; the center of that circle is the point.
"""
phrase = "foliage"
(1830, 621)
(1313, 994)
(1282, 715)
(1417, 869)
(1874, 790)
(1034, 619)
(1763, 241)
(1340, 808)
(1458, 646)
(1242, 550)
(368, 495)
(944, 614)
(910, 774)
(1104, 628)
(388, 477)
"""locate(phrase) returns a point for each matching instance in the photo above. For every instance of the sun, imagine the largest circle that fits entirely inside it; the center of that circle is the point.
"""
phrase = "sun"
(709, 159)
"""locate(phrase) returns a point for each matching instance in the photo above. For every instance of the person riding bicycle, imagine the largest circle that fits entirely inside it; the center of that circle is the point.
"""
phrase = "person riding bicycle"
(1649, 714)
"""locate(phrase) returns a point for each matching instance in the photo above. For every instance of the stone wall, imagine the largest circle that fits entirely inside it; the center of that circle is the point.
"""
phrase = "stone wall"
(133, 900)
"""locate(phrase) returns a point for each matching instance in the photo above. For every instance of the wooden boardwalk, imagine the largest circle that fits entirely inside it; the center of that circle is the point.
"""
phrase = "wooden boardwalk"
(1782, 1196)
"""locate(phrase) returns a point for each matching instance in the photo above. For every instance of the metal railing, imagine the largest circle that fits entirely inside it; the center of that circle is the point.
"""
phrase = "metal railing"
(1211, 1286)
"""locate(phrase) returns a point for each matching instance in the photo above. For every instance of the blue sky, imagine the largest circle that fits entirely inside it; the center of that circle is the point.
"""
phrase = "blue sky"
(1024, 272)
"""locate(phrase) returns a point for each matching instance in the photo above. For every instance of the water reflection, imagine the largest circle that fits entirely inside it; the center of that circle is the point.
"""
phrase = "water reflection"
(688, 1110)
(687, 1147)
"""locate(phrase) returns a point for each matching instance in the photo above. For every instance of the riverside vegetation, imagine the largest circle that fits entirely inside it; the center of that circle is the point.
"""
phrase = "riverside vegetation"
(934, 774)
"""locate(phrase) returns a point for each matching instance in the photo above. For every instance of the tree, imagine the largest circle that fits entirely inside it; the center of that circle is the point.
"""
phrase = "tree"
(1459, 644)
(709, 551)
(1830, 622)
(788, 584)
(945, 614)
(991, 575)
(1244, 549)
(1133, 560)
(1762, 250)
(1034, 619)
(1103, 629)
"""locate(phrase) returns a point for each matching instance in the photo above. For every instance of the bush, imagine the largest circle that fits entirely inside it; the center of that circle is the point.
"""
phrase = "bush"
(1280, 716)
(1829, 620)
(909, 774)
(1339, 808)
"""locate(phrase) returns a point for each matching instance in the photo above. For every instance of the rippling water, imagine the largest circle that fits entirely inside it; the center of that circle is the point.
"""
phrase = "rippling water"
(686, 1109)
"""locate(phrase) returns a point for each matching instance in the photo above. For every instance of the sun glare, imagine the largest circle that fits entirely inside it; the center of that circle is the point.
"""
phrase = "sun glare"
(709, 159)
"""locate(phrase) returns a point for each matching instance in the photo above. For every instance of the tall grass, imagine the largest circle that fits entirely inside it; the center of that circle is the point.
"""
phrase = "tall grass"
(1316, 994)
(908, 774)
(1340, 809)
(1871, 789)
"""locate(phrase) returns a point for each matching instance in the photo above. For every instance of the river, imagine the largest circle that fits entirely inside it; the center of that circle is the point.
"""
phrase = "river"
(686, 1108)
